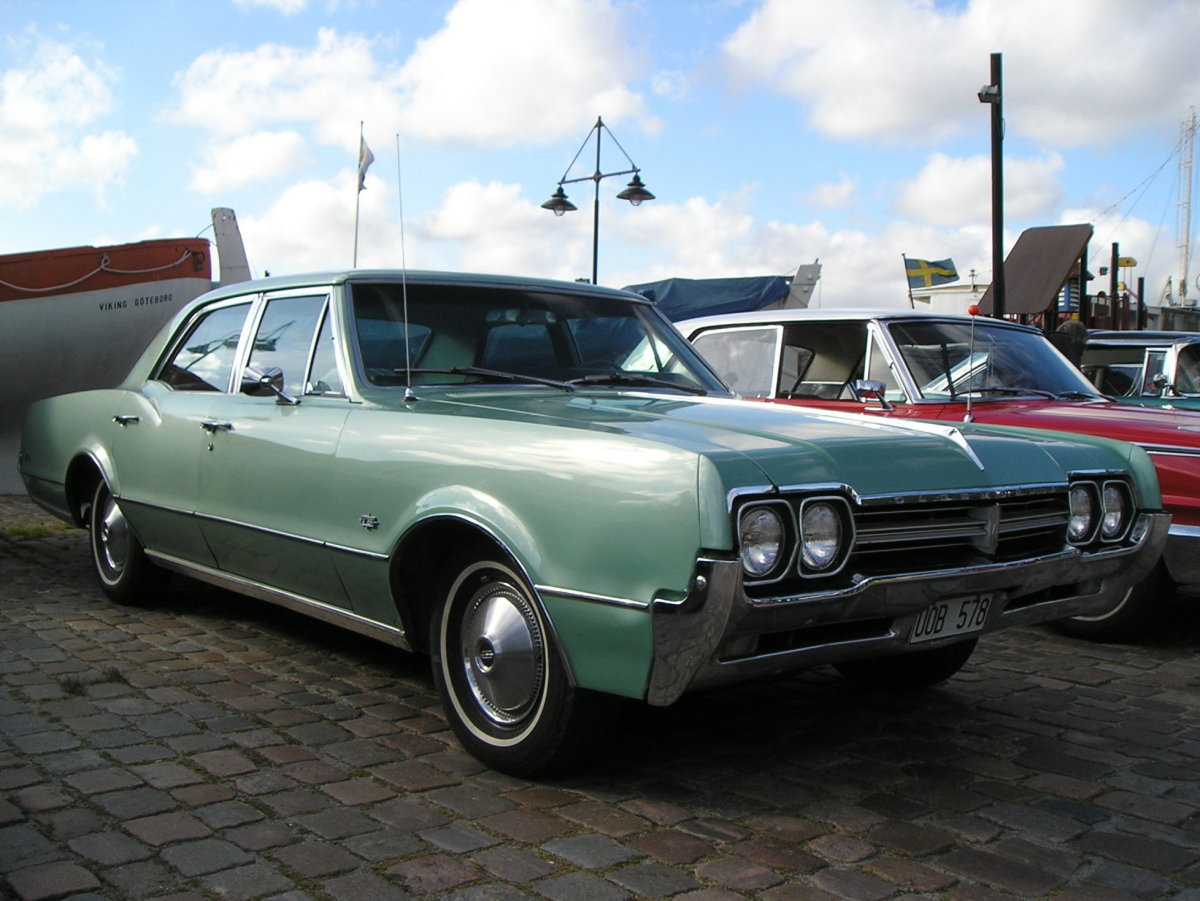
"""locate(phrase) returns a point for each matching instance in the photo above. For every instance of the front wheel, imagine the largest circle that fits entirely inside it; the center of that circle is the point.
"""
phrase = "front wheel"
(917, 669)
(502, 682)
(125, 574)
(1131, 616)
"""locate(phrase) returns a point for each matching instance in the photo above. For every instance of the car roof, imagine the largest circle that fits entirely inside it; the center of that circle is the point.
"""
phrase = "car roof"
(830, 314)
(1142, 338)
(415, 277)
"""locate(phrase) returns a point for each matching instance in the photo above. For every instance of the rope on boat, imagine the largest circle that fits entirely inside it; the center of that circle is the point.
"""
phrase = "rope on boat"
(103, 267)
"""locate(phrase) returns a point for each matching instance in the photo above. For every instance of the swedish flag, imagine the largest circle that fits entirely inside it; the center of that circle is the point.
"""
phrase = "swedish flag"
(927, 273)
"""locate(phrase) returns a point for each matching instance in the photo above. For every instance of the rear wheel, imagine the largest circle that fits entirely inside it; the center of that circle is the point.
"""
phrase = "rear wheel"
(917, 669)
(125, 574)
(502, 681)
(1131, 617)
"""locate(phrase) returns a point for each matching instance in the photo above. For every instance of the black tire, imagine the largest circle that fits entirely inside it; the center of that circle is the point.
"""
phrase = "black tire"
(125, 574)
(1134, 616)
(502, 681)
(911, 671)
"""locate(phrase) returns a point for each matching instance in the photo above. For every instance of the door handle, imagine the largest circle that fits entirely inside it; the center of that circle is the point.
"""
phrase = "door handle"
(123, 420)
(209, 426)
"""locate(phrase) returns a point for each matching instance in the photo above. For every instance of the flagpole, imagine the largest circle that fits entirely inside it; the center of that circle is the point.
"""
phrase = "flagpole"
(911, 303)
(357, 192)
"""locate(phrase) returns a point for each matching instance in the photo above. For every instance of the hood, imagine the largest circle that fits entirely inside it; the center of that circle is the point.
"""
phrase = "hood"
(1148, 426)
(786, 445)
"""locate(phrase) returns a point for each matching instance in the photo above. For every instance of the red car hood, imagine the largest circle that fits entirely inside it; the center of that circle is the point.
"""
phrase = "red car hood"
(1146, 426)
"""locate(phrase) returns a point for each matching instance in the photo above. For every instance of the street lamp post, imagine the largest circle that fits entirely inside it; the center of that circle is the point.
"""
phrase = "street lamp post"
(993, 95)
(635, 192)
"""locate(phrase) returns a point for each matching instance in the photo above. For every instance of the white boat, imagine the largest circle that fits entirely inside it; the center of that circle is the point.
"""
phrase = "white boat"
(79, 317)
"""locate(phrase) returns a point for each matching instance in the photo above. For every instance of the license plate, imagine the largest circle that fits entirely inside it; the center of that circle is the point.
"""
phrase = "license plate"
(958, 616)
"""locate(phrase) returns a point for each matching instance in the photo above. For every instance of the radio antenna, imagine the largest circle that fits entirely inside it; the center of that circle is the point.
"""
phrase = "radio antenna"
(409, 396)
(972, 311)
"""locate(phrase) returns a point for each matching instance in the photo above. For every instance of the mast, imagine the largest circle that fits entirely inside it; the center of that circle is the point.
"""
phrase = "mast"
(1183, 224)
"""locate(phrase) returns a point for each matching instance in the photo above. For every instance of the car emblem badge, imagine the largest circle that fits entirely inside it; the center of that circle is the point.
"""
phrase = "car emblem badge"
(368, 522)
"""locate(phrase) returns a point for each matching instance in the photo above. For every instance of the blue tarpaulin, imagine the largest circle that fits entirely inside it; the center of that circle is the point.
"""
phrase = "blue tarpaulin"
(686, 298)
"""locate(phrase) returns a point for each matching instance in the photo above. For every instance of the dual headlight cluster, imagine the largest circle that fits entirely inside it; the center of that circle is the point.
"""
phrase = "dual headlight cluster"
(1099, 510)
(773, 534)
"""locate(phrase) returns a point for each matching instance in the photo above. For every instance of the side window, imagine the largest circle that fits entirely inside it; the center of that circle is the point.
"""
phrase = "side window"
(878, 370)
(204, 360)
(325, 378)
(285, 338)
(1156, 365)
(744, 358)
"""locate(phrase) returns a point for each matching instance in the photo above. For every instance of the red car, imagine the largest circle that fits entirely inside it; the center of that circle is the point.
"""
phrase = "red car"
(963, 369)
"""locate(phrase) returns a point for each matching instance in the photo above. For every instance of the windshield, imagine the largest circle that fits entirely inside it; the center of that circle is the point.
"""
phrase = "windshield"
(469, 334)
(1187, 371)
(950, 360)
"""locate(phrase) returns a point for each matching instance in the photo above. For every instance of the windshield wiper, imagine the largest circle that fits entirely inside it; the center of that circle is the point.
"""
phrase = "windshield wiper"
(1014, 392)
(494, 374)
(1080, 395)
(629, 378)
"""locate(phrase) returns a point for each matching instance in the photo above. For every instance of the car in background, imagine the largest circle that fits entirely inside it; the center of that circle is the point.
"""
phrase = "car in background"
(1147, 367)
(542, 487)
(902, 364)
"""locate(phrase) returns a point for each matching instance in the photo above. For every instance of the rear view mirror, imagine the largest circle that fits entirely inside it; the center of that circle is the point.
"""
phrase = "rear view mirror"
(265, 381)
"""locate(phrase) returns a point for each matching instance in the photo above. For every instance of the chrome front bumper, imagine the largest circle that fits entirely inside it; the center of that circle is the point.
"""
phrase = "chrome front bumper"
(710, 636)
(1182, 554)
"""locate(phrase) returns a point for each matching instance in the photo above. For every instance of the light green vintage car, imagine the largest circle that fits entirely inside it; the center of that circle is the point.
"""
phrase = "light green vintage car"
(541, 486)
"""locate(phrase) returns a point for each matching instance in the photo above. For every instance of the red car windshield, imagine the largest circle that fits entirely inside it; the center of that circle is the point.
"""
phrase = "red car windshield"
(949, 360)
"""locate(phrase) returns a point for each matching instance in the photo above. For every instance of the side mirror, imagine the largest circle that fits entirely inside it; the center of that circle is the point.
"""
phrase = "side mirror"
(263, 382)
(869, 389)
(1156, 385)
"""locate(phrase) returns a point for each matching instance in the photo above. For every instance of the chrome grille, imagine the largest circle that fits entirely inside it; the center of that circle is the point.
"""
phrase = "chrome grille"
(914, 537)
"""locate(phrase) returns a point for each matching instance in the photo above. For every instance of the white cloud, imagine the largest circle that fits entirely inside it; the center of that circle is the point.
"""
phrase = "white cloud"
(952, 191)
(48, 113)
(523, 70)
(310, 228)
(834, 194)
(1073, 70)
(253, 157)
(494, 75)
(331, 88)
(287, 7)
(492, 228)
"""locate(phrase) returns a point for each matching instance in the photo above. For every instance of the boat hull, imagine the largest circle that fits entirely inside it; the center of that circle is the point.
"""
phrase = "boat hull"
(79, 318)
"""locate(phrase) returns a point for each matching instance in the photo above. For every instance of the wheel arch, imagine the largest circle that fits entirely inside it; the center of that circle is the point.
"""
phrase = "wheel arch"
(83, 474)
(422, 568)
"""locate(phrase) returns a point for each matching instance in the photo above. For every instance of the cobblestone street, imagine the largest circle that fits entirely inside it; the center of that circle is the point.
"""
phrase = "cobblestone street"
(217, 747)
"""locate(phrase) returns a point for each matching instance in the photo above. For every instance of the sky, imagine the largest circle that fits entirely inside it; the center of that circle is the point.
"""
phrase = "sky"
(773, 133)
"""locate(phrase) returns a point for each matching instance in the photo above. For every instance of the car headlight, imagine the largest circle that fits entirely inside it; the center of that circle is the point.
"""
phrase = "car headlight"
(762, 537)
(1083, 514)
(1115, 511)
(820, 535)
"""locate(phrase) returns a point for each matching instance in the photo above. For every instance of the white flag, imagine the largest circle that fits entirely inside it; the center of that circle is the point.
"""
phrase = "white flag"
(365, 158)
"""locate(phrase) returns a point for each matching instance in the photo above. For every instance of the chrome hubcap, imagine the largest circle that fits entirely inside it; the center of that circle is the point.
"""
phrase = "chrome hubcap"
(113, 537)
(502, 653)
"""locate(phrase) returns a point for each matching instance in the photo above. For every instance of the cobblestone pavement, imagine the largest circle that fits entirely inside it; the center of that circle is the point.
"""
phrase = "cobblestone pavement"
(216, 747)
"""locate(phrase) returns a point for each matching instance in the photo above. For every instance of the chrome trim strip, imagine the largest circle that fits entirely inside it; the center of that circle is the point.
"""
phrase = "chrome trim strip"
(358, 552)
(929, 575)
(262, 530)
(1181, 531)
(1169, 450)
(626, 603)
(276, 533)
(985, 494)
(319, 610)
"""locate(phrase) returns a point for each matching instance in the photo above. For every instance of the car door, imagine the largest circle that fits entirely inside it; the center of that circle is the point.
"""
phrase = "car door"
(266, 474)
(162, 432)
